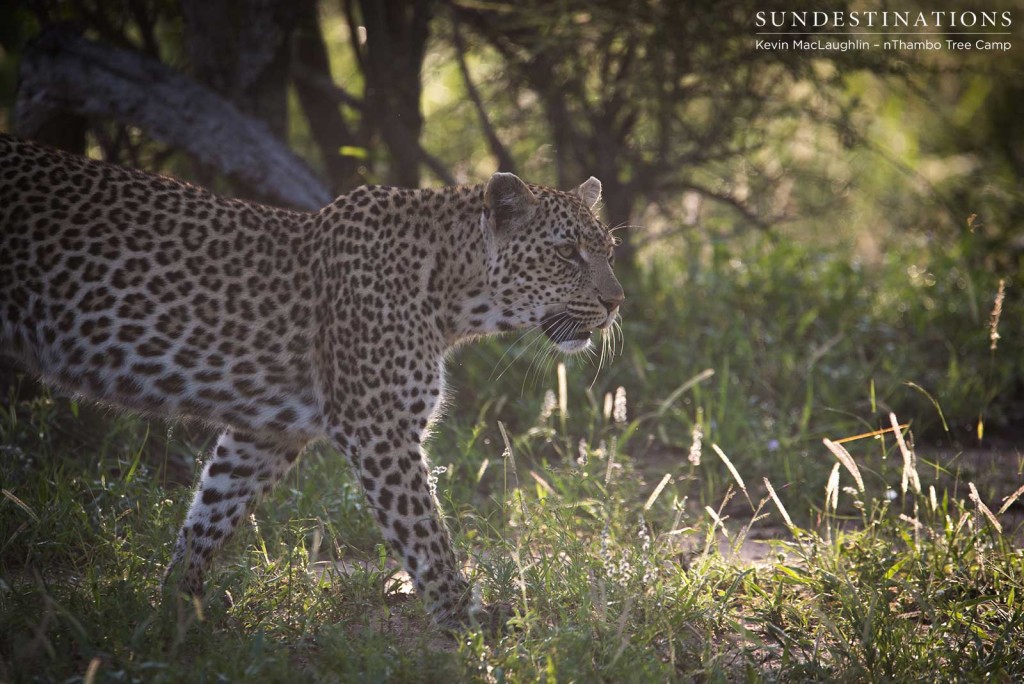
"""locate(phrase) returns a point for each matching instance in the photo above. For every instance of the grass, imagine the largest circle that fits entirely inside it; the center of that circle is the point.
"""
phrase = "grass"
(629, 552)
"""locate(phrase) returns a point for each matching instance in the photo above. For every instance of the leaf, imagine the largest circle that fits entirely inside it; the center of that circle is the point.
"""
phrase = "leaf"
(891, 572)
(354, 151)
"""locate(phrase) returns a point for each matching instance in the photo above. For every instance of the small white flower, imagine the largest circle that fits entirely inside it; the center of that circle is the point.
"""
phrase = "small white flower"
(432, 478)
(697, 435)
(549, 405)
(619, 410)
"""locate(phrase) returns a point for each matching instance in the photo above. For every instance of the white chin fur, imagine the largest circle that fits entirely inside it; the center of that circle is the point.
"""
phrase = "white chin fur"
(573, 346)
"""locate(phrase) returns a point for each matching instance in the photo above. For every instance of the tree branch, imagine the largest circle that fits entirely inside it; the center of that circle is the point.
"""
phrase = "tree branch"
(499, 151)
(327, 88)
(62, 72)
(759, 222)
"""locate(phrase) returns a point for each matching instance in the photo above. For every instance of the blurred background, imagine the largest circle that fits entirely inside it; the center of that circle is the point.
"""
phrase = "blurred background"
(811, 240)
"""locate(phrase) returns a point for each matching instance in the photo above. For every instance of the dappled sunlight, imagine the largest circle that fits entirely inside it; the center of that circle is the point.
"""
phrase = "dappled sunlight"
(792, 452)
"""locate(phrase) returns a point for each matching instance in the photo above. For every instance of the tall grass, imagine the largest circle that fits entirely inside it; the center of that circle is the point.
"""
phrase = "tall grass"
(824, 539)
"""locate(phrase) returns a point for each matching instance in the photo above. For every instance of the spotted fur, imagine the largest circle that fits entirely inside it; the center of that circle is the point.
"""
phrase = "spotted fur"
(284, 327)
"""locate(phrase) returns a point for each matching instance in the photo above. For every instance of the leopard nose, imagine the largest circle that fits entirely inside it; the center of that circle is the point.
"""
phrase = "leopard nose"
(611, 303)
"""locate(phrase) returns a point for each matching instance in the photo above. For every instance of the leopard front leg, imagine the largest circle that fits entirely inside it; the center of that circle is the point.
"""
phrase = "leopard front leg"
(396, 477)
(242, 469)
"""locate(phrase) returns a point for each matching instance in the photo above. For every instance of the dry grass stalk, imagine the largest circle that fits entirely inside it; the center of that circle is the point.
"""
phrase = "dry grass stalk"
(718, 522)
(832, 489)
(735, 473)
(657, 491)
(548, 489)
(778, 504)
(913, 521)
(611, 460)
(982, 507)
(910, 477)
(563, 391)
(997, 312)
(840, 452)
(1008, 501)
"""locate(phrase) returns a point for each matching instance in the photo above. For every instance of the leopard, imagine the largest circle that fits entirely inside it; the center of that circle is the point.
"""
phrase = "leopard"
(283, 328)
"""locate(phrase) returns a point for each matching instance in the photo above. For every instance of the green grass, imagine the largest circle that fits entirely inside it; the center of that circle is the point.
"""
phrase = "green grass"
(766, 350)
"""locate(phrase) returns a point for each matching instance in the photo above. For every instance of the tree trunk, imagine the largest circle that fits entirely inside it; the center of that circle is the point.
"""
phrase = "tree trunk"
(312, 68)
(396, 42)
(618, 211)
(62, 72)
(241, 49)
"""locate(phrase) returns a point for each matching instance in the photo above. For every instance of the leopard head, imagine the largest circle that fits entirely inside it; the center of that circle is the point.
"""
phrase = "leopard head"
(549, 260)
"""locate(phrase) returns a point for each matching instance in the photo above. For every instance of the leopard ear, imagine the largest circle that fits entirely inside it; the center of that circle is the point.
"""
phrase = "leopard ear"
(508, 201)
(589, 192)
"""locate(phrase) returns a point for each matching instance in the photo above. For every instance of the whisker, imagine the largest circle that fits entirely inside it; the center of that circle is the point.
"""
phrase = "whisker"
(556, 324)
(560, 326)
(617, 333)
(556, 318)
(519, 355)
(538, 357)
(600, 360)
(623, 226)
(543, 367)
(541, 363)
(510, 347)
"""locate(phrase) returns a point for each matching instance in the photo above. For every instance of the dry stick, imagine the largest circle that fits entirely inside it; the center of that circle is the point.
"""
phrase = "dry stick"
(865, 435)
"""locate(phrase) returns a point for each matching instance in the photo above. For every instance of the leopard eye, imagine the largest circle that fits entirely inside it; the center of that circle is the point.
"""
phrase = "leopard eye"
(567, 252)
